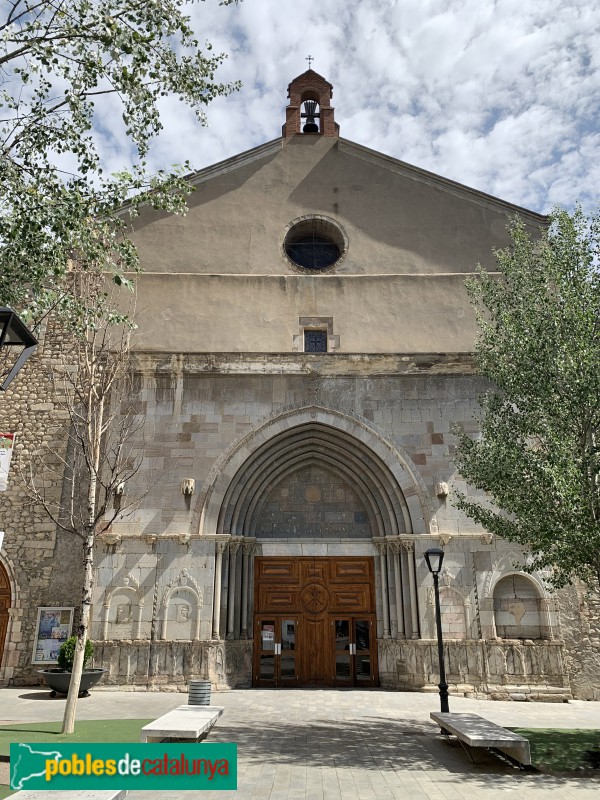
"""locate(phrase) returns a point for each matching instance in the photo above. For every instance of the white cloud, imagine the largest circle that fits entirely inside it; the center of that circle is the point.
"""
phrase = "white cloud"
(499, 94)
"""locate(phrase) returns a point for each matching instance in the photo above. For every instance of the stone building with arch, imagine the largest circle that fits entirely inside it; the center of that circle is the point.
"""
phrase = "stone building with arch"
(304, 353)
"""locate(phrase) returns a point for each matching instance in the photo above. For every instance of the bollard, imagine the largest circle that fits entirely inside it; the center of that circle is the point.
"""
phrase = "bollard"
(199, 693)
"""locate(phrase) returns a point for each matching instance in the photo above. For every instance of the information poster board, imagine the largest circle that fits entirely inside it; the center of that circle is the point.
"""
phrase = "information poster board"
(7, 441)
(53, 627)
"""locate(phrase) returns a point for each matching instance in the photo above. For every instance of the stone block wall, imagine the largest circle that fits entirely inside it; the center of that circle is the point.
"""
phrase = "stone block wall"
(169, 666)
(501, 670)
(44, 564)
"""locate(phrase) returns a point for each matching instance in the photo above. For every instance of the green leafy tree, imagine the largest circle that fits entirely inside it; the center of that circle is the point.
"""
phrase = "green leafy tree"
(64, 224)
(538, 456)
(62, 61)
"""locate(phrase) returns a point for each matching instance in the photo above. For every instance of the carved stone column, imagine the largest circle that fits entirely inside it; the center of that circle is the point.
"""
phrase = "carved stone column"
(138, 620)
(105, 613)
(381, 546)
(248, 546)
(546, 609)
(394, 549)
(234, 546)
(219, 550)
(412, 586)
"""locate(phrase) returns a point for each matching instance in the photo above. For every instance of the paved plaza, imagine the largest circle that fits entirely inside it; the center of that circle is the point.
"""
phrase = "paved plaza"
(337, 745)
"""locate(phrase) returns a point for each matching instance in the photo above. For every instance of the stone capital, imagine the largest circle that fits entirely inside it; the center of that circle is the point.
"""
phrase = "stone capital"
(249, 546)
(380, 544)
(234, 545)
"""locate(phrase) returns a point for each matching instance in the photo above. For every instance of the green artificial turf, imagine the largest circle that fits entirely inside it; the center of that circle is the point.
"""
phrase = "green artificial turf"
(86, 730)
(560, 750)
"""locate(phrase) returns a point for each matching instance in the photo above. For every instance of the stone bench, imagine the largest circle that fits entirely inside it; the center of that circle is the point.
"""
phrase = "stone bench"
(72, 794)
(184, 722)
(478, 732)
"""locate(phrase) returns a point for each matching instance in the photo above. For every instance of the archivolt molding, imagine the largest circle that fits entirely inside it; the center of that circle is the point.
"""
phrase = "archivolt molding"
(183, 581)
(504, 567)
(129, 584)
(366, 452)
(12, 581)
(188, 585)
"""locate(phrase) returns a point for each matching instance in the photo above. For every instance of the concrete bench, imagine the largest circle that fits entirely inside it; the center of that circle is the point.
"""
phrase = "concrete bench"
(72, 794)
(184, 722)
(478, 732)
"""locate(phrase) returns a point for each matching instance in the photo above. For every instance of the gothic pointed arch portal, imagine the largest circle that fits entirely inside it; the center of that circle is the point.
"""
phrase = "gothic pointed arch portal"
(311, 507)
(314, 466)
(382, 475)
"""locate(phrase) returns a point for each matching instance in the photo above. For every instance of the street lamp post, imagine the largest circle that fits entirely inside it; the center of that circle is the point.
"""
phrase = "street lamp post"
(14, 334)
(434, 557)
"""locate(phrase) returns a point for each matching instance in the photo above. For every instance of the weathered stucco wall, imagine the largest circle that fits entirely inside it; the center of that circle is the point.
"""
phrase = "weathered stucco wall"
(398, 219)
(250, 313)
(217, 280)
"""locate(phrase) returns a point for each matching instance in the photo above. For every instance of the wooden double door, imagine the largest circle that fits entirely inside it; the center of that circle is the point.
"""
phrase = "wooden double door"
(314, 622)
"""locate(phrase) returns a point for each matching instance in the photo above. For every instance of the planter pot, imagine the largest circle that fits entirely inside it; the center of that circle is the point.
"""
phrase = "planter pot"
(59, 681)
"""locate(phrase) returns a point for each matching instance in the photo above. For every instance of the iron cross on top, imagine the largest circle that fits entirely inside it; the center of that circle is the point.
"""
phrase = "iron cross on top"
(309, 59)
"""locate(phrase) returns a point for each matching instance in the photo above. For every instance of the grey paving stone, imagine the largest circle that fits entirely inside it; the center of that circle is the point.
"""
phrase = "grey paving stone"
(337, 745)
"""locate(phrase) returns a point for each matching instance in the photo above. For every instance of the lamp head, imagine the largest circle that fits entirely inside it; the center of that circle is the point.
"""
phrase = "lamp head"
(13, 334)
(434, 557)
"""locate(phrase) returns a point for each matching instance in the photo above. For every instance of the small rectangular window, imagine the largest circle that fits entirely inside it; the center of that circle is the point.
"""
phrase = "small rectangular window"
(315, 341)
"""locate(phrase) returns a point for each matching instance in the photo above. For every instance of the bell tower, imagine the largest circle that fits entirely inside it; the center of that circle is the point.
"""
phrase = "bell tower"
(309, 111)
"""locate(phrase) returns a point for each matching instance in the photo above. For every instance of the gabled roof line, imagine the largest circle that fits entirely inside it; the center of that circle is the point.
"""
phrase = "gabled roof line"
(373, 157)
(239, 160)
(436, 181)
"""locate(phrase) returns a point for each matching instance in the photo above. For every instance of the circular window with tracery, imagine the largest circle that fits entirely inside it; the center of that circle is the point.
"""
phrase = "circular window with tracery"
(314, 244)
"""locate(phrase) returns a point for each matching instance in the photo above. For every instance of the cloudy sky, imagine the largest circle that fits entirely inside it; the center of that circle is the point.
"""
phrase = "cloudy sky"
(501, 95)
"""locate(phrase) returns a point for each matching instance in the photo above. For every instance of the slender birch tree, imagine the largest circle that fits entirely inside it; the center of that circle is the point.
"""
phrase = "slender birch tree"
(538, 456)
(94, 386)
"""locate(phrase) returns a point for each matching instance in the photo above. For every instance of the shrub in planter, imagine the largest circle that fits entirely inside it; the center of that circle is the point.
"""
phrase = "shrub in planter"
(66, 654)
(59, 679)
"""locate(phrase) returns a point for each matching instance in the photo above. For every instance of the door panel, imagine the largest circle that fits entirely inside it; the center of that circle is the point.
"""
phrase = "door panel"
(365, 649)
(352, 641)
(275, 652)
(316, 669)
(341, 629)
(288, 663)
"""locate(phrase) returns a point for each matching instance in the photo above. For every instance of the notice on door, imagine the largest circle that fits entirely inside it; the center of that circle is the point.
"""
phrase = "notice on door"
(268, 633)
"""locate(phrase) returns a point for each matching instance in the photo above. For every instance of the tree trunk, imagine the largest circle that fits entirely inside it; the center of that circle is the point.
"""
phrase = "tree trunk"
(68, 725)
(94, 436)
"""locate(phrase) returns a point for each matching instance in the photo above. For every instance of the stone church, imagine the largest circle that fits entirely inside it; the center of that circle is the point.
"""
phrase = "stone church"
(304, 355)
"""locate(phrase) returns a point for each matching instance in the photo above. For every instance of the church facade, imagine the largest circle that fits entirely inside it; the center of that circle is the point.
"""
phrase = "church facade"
(304, 354)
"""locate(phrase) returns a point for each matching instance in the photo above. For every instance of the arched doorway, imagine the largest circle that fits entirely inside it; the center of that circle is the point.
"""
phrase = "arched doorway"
(5, 603)
(310, 565)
